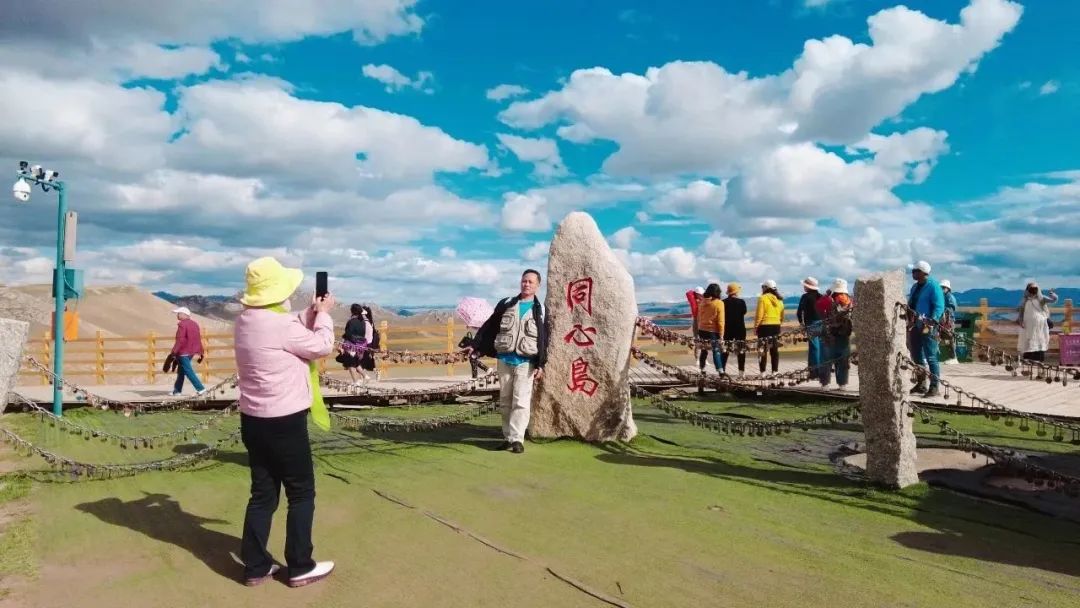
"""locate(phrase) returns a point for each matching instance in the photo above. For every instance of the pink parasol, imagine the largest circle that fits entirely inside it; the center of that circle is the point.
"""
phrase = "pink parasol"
(474, 311)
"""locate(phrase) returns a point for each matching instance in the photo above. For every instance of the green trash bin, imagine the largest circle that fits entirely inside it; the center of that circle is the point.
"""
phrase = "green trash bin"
(964, 324)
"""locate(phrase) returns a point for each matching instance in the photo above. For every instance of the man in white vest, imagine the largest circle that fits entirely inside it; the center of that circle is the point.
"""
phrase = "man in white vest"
(516, 335)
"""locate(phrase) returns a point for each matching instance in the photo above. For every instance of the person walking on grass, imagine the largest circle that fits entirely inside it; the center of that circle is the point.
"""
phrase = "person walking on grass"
(517, 336)
(710, 324)
(188, 344)
(279, 386)
(767, 320)
(734, 328)
(927, 301)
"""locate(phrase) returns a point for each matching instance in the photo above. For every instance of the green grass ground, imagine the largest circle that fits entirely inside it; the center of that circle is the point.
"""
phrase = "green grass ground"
(679, 517)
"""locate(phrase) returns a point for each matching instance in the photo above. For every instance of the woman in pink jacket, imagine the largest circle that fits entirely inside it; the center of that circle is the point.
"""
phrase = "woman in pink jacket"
(273, 349)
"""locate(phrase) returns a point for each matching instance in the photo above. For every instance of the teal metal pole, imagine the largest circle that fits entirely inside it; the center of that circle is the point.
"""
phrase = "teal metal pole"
(58, 312)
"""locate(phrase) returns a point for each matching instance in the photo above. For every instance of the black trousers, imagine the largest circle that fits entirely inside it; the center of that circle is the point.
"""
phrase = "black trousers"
(740, 355)
(772, 349)
(279, 454)
(1035, 355)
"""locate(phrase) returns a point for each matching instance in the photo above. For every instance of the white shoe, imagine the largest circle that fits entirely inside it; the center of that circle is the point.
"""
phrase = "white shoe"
(319, 572)
(358, 383)
(200, 393)
(951, 362)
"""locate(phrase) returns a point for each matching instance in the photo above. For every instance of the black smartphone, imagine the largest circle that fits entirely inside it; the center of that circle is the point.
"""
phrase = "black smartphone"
(321, 287)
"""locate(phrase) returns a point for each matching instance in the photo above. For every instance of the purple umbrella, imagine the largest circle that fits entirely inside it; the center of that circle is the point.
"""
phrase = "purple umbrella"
(474, 311)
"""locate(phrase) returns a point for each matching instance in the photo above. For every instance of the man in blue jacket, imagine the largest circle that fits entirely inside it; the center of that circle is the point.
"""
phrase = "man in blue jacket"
(928, 301)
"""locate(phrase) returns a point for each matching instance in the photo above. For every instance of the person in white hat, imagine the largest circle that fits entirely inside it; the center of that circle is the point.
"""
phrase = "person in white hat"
(808, 317)
(188, 344)
(948, 339)
(835, 310)
(928, 303)
(767, 319)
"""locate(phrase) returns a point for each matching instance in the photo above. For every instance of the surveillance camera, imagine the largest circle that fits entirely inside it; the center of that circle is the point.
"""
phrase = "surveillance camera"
(21, 191)
(23, 165)
(51, 175)
(37, 171)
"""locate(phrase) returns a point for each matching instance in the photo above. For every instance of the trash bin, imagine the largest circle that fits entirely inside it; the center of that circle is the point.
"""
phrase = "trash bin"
(964, 324)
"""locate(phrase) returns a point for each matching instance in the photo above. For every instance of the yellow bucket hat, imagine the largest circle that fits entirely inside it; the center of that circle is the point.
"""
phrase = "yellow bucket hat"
(268, 282)
(733, 289)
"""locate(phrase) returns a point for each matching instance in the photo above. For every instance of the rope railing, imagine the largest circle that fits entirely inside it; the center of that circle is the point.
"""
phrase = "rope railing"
(754, 428)
(1035, 474)
(407, 425)
(991, 409)
(70, 469)
(142, 407)
(414, 396)
(169, 438)
(995, 356)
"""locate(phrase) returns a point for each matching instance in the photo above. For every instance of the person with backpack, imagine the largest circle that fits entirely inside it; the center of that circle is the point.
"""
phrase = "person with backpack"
(517, 336)
(835, 310)
(926, 304)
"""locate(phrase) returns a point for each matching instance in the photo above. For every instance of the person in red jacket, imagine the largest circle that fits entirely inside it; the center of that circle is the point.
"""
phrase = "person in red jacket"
(187, 345)
(694, 297)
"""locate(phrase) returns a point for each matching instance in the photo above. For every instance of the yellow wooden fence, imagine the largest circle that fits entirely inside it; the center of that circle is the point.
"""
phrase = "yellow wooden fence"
(122, 358)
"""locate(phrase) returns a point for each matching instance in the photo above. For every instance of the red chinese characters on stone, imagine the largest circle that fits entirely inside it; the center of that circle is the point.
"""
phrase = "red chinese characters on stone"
(579, 293)
(580, 382)
(580, 335)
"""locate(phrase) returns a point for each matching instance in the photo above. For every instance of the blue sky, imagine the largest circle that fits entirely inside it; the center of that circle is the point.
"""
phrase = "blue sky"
(422, 151)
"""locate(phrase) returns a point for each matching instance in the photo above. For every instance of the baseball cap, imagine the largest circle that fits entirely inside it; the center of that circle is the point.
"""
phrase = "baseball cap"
(183, 310)
(921, 265)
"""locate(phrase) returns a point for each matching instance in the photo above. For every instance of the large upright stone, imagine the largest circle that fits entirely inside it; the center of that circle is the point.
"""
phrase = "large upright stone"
(591, 312)
(880, 333)
(13, 336)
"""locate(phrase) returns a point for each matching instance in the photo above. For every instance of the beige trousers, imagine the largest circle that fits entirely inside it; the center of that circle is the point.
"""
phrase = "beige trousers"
(515, 399)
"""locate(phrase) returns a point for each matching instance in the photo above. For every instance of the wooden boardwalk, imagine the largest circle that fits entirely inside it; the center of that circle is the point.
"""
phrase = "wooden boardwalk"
(982, 379)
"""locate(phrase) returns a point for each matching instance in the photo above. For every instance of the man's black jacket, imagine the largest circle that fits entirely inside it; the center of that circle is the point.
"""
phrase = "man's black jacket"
(484, 342)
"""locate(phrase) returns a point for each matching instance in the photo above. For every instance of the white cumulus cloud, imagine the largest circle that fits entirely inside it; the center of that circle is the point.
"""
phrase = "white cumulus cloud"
(396, 81)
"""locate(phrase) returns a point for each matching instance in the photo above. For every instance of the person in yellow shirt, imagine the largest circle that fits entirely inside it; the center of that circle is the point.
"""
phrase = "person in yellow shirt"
(767, 319)
(710, 326)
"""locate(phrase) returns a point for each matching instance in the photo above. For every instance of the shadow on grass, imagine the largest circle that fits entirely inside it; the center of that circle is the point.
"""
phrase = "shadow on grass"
(962, 526)
(160, 517)
(997, 533)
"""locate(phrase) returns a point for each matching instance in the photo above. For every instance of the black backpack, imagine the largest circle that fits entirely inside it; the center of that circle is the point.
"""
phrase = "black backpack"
(376, 339)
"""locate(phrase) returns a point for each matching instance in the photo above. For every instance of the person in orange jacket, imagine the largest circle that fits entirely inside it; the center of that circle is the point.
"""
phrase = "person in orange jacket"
(710, 326)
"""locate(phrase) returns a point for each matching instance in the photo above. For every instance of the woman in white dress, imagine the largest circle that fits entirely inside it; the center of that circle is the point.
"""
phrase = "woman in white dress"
(1034, 319)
